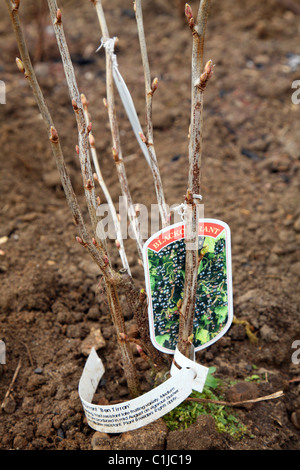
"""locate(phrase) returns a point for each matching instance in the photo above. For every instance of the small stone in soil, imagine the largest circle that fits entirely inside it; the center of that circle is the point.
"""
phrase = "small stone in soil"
(60, 434)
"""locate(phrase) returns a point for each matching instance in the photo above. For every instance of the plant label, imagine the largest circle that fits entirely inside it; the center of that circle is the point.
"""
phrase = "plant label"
(145, 409)
(164, 262)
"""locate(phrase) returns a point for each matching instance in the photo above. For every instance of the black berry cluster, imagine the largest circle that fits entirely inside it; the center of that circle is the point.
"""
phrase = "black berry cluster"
(167, 270)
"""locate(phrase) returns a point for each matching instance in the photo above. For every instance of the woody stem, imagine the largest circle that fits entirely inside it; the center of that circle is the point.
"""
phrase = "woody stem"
(198, 28)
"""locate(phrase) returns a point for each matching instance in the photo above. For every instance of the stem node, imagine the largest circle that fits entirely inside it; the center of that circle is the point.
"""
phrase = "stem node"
(58, 17)
(53, 135)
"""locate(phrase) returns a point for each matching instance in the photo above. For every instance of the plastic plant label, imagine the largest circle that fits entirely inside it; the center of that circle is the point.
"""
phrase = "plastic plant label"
(164, 262)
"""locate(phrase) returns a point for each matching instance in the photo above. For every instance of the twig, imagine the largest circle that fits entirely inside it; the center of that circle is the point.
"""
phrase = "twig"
(83, 142)
(150, 88)
(100, 179)
(11, 384)
(238, 403)
(29, 353)
(199, 81)
(117, 152)
(295, 380)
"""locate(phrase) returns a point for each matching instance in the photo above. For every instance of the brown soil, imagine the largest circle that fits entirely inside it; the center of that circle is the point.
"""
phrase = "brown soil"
(50, 289)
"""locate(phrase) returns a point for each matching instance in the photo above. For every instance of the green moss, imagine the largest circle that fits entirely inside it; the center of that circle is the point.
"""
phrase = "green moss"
(187, 412)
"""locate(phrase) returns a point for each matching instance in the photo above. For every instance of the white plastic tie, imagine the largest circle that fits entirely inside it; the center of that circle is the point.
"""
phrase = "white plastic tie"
(109, 45)
(181, 208)
(181, 362)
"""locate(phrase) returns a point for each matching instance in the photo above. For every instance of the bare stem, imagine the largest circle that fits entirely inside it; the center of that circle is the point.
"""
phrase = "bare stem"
(199, 81)
(126, 352)
(185, 339)
(117, 151)
(112, 294)
(100, 179)
(137, 303)
(83, 142)
(150, 88)
(196, 127)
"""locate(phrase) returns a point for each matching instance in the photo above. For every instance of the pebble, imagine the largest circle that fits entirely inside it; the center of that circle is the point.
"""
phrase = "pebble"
(295, 268)
(60, 433)
(3, 240)
(237, 333)
(273, 259)
(44, 428)
(261, 59)
(93, 313)
(76, 331)
(94, 340)
(35, 382)
(51, 179)
(89, 268)
(295, 418)
(242, 391)
(267, 334)
(285, 248)
(100, 441)
(286, 236)
(250, 295)
(297, 225)
(9, 405)
(28, 404)
(262, 29)
(20, 442)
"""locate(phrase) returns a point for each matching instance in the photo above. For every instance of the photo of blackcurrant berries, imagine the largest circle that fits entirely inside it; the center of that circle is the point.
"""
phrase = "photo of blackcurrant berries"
(166, 269)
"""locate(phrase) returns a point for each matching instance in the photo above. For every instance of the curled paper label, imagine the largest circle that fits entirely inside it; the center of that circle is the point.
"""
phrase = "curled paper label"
(186, 376)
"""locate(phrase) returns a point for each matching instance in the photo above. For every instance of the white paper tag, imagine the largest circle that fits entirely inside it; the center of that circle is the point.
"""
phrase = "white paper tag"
(142, 410)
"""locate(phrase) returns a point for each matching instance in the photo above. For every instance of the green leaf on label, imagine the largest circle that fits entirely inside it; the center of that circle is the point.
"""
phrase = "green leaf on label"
(209, 245)
(202, 335)
(222, 313)
(161, 339)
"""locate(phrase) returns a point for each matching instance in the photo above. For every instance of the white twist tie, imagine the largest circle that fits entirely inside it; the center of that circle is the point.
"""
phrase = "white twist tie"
(181, 208)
